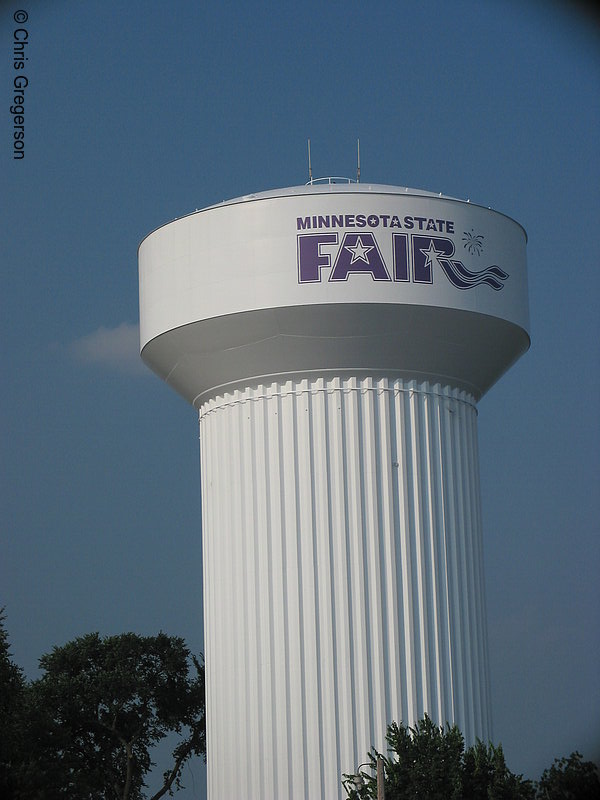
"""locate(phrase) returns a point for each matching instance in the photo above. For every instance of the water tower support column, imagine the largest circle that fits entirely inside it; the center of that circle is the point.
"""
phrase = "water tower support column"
(343, 580)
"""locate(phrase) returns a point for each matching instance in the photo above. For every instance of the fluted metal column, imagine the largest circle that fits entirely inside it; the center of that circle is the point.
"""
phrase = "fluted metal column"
(343, 578)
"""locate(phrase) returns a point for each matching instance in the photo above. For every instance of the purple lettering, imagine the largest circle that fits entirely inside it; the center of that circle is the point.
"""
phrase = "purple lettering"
(426, 252)
(359, 253)
(400, 255)
(310, 258)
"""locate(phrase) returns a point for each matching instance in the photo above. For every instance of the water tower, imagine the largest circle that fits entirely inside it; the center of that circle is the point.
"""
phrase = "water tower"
(335, 339)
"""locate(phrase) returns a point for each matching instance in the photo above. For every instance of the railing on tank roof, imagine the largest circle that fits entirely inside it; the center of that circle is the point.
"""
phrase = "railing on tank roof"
(314, 181)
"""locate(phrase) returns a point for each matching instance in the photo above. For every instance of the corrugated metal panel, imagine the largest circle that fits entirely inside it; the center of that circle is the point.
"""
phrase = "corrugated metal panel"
(342, 576)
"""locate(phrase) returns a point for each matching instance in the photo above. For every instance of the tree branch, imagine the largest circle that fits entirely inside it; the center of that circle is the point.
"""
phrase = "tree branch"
(127, 787)
(173, 774)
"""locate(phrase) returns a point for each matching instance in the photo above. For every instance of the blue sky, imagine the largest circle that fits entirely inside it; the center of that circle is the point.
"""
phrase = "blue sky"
(139, 112)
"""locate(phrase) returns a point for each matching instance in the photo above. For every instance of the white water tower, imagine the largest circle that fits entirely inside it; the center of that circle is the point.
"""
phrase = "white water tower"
(335, 339)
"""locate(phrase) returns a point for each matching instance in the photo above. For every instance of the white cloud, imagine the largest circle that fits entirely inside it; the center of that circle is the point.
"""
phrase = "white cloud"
(116, 348)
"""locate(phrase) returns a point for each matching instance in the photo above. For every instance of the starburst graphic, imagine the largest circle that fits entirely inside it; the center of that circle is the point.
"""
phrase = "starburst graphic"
(473, 243)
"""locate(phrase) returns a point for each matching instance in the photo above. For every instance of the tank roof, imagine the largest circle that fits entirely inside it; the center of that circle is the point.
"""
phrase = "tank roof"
(334, 186)
(328, 186)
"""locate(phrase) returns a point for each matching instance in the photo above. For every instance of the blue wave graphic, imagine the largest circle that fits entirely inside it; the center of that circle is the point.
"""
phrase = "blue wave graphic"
(462, 278)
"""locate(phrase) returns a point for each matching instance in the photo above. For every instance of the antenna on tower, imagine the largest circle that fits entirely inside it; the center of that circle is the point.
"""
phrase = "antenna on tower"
(309, 164)
(358, 160)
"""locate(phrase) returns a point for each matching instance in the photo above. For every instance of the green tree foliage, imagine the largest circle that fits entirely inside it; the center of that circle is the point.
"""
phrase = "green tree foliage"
(91, 721)
(12, 701)
(428, 763)
(486, 776)
(431, 762)
(570, 779)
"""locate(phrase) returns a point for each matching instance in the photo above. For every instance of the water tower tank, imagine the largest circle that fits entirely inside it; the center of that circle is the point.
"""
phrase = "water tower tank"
(335, 339)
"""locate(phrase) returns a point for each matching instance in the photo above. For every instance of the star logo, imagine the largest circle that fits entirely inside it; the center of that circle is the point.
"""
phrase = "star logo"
(359, 251)
(431, 254)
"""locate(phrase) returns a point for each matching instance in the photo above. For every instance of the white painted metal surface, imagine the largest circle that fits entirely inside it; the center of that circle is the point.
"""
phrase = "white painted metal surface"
(343, 577)
(337, 277)
(335, 339)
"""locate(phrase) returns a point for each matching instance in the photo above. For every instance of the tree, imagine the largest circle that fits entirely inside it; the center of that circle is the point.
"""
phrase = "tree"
(431, 762)
(569, 779)
(98, 710)
(12, 701)
(486, 776)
